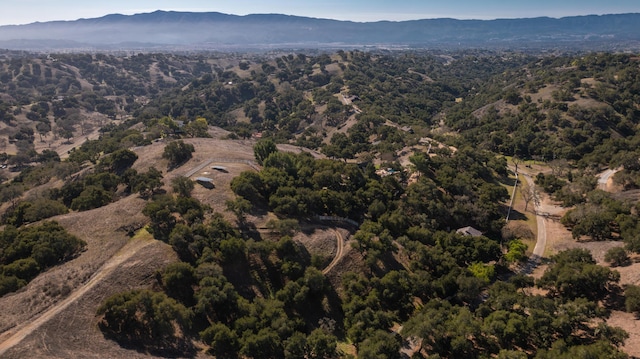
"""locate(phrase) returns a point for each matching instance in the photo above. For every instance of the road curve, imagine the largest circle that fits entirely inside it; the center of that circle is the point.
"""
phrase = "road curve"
(16, 335)
(603, 178)
(339, 252)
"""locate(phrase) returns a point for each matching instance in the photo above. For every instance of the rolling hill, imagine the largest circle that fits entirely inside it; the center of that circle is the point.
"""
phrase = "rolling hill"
(407, 146)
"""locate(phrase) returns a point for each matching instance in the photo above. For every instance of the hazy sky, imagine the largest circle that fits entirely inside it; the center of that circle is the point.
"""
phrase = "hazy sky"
(28, 11)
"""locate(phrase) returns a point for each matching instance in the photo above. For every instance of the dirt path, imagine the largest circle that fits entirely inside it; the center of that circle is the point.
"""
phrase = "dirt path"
(339, 253)
(15, 336)
(64, 148)
(604, 177)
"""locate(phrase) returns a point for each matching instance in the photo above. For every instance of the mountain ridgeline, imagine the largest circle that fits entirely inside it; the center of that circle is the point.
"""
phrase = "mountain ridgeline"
(215, 31)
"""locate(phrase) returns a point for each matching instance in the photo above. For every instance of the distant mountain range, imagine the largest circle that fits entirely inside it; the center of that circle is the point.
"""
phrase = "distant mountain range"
(212, 30)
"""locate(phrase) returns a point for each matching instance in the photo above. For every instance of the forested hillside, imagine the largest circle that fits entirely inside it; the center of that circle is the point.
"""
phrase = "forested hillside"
(237, 161)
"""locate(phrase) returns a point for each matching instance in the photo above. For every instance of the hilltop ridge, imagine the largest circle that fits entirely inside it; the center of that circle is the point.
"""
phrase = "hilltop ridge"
(214, 30)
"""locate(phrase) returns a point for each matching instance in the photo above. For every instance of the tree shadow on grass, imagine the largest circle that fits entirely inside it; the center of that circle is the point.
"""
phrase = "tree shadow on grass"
(180, 348)
(615, 300)
(516, 215)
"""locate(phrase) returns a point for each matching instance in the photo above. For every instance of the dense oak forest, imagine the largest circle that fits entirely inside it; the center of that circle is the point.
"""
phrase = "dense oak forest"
(401, 148)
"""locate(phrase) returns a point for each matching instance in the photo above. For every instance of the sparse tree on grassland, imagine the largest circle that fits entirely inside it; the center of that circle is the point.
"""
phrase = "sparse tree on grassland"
(632, 298)
(263, 148)
(197, 128)
(145, 318)
(558, 167)
(11, 193)
(240, 207)
(182, 186)
(43, 128)
(529, 193)
(177, 152)
(617, 256)
(147, 183)
(516, 162)
(283, 226)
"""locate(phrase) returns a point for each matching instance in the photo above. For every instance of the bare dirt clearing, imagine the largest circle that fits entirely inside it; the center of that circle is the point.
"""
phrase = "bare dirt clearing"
(55, 315)
(128, 251)
(70, 330)
(340, 244)
(99, 228)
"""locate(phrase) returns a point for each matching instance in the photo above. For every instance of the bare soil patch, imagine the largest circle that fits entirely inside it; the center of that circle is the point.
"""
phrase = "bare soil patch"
(352, 261)
(298, 149)
(70, 330)
(318, 241)
(73, 332)
(629, 322)
(99, 228)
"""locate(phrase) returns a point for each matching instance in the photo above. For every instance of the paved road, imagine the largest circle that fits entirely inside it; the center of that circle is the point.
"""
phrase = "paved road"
(541, 242)
(542, 213)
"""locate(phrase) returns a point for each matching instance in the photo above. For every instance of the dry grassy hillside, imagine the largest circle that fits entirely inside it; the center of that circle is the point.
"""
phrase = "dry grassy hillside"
(55, 315)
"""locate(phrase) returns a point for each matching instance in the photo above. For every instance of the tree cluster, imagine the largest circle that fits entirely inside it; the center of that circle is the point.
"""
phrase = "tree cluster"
(234, 318)
(26, 252)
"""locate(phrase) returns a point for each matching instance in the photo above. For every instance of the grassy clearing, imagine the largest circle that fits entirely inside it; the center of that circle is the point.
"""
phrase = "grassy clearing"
(143, 235)
(347, 349)
(530, 220)
(518, 213)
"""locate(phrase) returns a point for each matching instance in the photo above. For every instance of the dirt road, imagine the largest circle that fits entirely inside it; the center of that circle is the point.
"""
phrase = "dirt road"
(603, 178)
(339, 252)
(64, 148)
(16, 335)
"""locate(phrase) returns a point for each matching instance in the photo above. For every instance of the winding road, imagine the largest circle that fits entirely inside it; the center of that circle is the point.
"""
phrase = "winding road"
(541, 240)
(543, 211)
